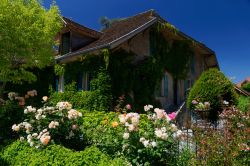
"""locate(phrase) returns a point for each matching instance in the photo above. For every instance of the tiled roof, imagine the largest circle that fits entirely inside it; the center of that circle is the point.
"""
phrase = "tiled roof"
(243, 82)
(121, 28)
(119, 32)
(85, 30)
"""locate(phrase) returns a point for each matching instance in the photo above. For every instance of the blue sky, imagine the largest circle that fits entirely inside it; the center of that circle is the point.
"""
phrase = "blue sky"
(223, 25)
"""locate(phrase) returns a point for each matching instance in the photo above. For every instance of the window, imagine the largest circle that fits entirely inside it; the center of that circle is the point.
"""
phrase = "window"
(162, 89)
(59, 84)
(65, 43)
(152, 43)
(83, 82)
(80, 81)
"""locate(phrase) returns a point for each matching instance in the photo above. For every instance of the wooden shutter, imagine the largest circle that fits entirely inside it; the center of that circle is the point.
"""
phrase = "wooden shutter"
(165, 85)
(79, 81)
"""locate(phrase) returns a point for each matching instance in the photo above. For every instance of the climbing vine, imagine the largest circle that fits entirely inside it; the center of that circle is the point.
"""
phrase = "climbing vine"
(59, 69)
(137, 80)
(105, 53)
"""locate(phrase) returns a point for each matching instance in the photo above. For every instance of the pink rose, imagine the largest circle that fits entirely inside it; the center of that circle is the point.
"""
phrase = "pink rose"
(172, 116)
(194, 102)
(128, 107)
(74, 127)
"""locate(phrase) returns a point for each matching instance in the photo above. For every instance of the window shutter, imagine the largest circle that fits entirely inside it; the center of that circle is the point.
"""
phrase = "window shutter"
(79, 82)
(165, 85)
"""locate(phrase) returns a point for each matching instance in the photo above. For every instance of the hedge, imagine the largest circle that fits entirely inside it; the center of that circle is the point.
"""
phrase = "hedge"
(21, 154)
(213, 87)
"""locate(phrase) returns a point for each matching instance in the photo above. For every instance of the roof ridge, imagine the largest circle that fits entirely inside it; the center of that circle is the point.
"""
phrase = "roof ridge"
(74, 22)
(147, 11)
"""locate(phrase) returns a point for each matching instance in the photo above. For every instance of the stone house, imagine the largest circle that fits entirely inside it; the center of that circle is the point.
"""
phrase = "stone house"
(132, 34)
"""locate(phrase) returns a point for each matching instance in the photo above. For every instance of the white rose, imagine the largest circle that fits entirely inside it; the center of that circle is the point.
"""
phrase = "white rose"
(142, 139)
(45, 98)
(31, 144)
(154, 144)
(15, 127)
(22, 139)
(146, 143)
(126, 135)
(131, 127)
(34, 135)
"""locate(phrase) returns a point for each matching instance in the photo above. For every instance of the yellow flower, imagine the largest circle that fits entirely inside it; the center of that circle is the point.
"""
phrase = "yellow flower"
(114, 124)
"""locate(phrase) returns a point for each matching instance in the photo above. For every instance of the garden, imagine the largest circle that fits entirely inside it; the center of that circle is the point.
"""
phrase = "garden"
(41, 126)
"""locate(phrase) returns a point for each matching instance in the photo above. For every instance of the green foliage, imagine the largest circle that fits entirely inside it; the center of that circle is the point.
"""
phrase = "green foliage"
(45, 78)
(169, 26)
(101, 96)
(246, 87)
(175, 57)
(89, 63)
(213, 87)
(59, 69)
(186, 158)
(98, 130)
(10, 113)
(229, 146)
(106, 54)
(21, 154)
(244, 103)
(27, 37)
(164, 153)
(78, 99)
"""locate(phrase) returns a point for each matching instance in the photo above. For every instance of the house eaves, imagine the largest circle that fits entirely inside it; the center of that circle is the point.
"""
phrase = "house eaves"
(241, 91)
(110, 45)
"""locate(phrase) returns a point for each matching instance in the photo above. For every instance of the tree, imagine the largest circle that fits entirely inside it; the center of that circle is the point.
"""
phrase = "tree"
(27, 32)
(246, 87)
(106, 22)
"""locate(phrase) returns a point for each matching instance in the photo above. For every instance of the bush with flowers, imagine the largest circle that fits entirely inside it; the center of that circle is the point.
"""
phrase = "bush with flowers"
(150, 139)
(11, 111)
(215, 87)
(227, 145)
(50, 124)
(102, 130)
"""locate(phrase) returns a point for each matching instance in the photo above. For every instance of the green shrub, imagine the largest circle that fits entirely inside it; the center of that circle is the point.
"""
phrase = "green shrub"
(244, 103)
(246, 87)
(98, 130)
(45, 78)
(10, 113)
(229, 146)
(101, 96)
(213, 87)
(78, 99)
(21, 154)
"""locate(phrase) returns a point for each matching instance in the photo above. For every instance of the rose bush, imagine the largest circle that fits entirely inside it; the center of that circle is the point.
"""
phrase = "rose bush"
(227, 145)
(150, 139)
(50, 124)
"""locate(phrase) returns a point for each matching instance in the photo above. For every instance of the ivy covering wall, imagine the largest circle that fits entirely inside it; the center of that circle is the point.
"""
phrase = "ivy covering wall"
(136, 80)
